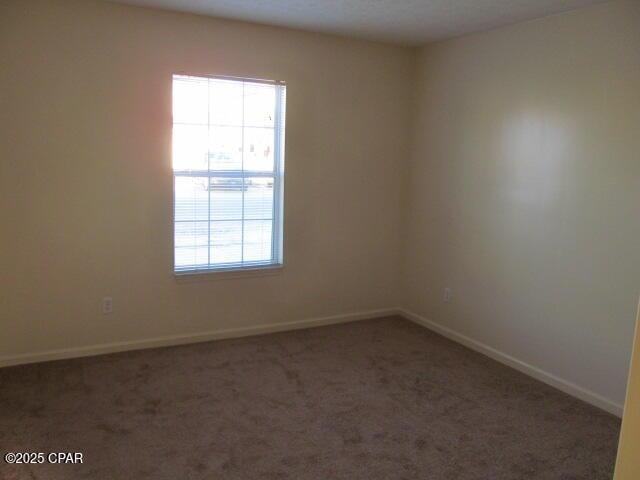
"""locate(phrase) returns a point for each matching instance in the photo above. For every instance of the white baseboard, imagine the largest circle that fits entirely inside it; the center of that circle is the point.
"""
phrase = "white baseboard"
(546, 377)
(100, 349)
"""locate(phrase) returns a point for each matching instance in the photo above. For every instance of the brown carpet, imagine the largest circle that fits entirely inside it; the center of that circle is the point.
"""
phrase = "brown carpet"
(379, 399)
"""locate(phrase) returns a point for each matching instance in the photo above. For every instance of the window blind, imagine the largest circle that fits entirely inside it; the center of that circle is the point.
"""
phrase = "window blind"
(228, 165)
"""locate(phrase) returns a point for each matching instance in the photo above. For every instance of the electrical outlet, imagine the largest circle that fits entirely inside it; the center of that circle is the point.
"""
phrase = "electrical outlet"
(447, 295)
(107, 305)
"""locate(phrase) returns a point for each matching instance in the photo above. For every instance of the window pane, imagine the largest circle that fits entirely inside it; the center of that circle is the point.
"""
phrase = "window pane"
(191, 257)
(191, 234)
(259, 105)
(258, 198)
(257, 240)
(226, 198)
(226, 242)
(188, 96)
(225, 148)
(191, 199)
(258, 149)
(190, 147)
(225, 103)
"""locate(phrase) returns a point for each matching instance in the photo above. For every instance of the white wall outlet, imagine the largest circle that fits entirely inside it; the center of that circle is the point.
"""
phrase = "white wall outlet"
(107, 305)
(447, 295)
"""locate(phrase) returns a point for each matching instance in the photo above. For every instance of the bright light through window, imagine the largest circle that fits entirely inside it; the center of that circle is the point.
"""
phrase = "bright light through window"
(228, 165)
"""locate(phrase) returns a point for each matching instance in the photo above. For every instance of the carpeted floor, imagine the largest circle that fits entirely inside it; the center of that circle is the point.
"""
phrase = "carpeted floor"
(379, 399)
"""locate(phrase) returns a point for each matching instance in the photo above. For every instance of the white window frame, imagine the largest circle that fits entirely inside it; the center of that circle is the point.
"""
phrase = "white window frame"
(277, 229)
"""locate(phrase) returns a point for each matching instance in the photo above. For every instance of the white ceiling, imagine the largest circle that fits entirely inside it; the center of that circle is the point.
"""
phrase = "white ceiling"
(409, 22)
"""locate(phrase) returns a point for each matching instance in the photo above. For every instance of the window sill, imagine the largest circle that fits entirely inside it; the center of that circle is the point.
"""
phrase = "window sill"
(222, 274)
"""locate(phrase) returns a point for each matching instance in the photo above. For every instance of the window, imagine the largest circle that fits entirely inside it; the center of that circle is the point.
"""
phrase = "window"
(228, 164)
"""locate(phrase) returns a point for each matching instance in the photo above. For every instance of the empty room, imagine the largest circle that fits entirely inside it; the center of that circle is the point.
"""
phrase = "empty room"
(311, 240)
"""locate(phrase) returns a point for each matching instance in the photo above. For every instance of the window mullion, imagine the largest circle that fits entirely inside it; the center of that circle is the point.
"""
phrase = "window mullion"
(243, 172)
(209, 176)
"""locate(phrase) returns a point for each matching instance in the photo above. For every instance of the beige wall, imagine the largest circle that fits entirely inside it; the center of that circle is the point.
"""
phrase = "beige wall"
(86, 182)
(628, 464)
(525, 188)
